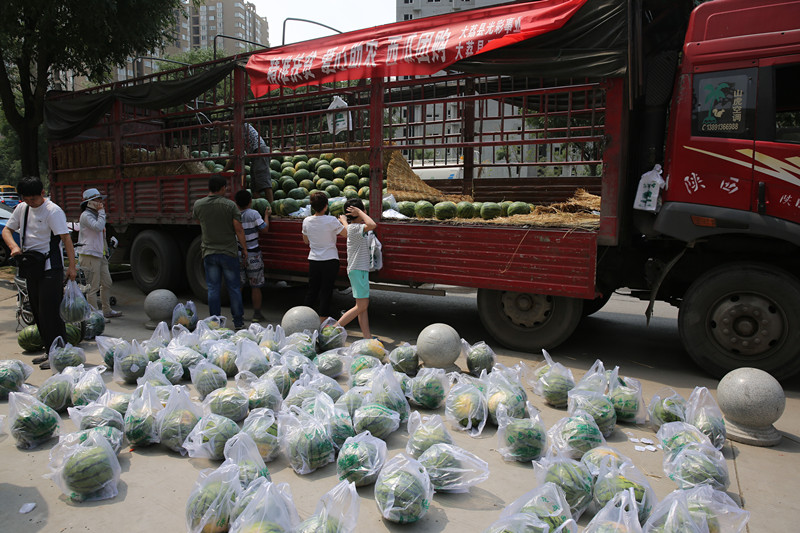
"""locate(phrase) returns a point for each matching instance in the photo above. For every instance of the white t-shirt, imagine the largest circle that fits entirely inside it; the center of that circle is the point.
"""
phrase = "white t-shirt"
(41, 221)
(322, 231)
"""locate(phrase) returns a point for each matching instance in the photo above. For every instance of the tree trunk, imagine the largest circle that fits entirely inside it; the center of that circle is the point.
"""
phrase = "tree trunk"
(29, 149)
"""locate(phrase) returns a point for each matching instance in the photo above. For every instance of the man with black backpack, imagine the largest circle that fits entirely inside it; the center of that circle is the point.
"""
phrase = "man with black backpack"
(42, 226)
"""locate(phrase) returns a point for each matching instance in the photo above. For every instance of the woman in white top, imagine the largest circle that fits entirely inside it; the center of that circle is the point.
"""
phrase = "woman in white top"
(320, 232)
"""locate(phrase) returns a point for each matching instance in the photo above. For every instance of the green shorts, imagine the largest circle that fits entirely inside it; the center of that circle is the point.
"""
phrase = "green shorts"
(359, 280)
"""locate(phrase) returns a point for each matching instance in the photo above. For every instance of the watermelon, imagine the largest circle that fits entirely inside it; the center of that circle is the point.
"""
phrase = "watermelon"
(444, 466)
(512, 397)
(518, 208)
(90, 387)
(174, 427)
(445, 210)
(580, 435)
(402, 496)
(504, 205)
(601, 456)
(277, 194)
(140, 427)
(490, 210)
(214, 431)
(598, 406)
(288, 172)
(289, 206)
(693, 467)
(12, 376)
(73, 309)
(428, 390)
(264, 393)
(555, 389)
(56, 393)
(209, 378)
(309, 448)
(297, 158)
(325, 171)
(574, 479)
(96, 415)
(312, 162)
(29, 339)
(465, 210)
(363, 192)
(467, 407)
(301, 174)
(298, 193)
(329, 364)
(363, 171)
(404, 359)
(376, 418)
(363, 182)
(207, 507)
(34, 422)
(339, 182)
(61, 358)
(360, 460)
(131, 366)
(229, 402)
(425, 436)
(264, 431)
(406, 208)
(224, 356)
(332, 190)
(480, 357)
(351, 400)
(287, 185)
(424, 209)
(608, 485)
(341, 427)
(88, 470)
(351, 178)
(524, 439)
(338, 162)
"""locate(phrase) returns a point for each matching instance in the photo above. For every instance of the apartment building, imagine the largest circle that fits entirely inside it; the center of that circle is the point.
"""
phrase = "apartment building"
(414, 9)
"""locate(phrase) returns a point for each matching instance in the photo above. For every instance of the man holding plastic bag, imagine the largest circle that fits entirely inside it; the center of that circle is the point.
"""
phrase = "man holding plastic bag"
(42, 226)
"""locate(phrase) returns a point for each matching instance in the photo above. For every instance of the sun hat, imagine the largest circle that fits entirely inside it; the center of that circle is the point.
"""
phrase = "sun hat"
(91, 194)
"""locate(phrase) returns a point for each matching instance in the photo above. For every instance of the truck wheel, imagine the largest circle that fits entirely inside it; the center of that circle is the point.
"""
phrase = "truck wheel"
(196, 274)
(156, 261)
(526, 321)
(745, 314)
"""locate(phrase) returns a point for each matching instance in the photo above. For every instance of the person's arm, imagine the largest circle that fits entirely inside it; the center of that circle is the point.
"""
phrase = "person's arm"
(72, 269)
(96, 222)
(343, 221)
(8, 238)
(365, 219)
(237, 227)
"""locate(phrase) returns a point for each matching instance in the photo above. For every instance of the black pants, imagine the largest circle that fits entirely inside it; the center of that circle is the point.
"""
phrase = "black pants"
(321, 278)
(45, 294)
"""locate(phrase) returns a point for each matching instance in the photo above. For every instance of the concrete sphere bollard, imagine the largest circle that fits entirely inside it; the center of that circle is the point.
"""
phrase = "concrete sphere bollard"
(438, 346)
(298, 319)
(158, 306)
(751, 400)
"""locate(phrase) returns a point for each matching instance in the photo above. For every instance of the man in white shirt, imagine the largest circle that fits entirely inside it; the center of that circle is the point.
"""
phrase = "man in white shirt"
(42, 226)
(93, 250)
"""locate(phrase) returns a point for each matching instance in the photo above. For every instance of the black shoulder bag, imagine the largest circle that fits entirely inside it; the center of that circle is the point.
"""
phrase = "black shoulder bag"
(30, 264)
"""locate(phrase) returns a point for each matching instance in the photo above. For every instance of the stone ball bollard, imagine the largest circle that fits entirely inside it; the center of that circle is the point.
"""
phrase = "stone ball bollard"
(158, 306)
(298, 319)
(751, 401)
(438, 346)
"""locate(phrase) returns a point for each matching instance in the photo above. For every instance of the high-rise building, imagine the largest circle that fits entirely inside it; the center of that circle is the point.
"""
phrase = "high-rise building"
(415, 9)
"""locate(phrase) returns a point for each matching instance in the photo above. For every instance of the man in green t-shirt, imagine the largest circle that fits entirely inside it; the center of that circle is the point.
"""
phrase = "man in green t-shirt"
(221, 226)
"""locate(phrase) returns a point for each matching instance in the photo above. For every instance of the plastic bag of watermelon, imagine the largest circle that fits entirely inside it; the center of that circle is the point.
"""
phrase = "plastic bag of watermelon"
(261, 424)
(571, 476)
(85, 470)
(171, 368)
(331, 363)
(525, 522)
(361, 459)
(452, 468)
(376, 418)
(154, 375)
(386, 391)
(108, 346)
(336, 512)
(575, 435)
(242, 450)
(207, 377)
(304, 440)
(698, 509)
(614, 479)
(230, 402)
(304, 343)
(541, 369)
(602, 455)
(129, 365)
(56, 392)
(331, 335)
(479, 357)
(703, 413)
(352, 399)
(429, 388)
(618, 514)
(597, 405)
(547, 502)
(95, 414)
(674, 436)
(595, 379)
(504, 388)
(373, 347)
(697, 464)
(13, 374)
(666, 406)
(30, 421)
(177, 419)
(403, 490)
(337, 420)
(261, 392)
(249, 357)
(315, 379)
(265, 506)
(520, 438)
(73, 308)
(625, 394)
(63, 354)
(212, 499)
(185, 314)
(554, 384)
(141, 428)
(95, 324)
(89, 385)
(424, 432)
(272, 338)
(404, 359)
(208, 437)
(466, 406)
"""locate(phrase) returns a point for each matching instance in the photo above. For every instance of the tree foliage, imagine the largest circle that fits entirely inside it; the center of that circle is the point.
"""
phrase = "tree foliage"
(39, 38)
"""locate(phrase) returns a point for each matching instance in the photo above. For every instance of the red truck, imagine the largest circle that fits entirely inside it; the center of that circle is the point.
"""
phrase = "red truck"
(531, 101)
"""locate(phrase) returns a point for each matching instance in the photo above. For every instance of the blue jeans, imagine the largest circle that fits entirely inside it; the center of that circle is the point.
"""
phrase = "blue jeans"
(216, 266)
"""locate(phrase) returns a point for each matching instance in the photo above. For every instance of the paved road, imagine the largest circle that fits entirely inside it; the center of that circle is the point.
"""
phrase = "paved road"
(155, 485)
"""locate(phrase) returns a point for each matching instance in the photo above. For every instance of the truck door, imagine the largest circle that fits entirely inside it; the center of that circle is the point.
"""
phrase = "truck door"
(777, 152)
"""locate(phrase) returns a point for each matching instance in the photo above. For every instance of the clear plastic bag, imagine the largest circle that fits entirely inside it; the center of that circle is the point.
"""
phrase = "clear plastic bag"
(336, 512)
(73, 308)
(424, 432)
(159, 339)
(547, 502)
(625, 394)
(205, 332)
(674, 436)
(618, 514)
(338, 421)
(386, 390)
(595, 379)
(554, 384)
(303, 343)
(261, 424)
(404, 359)
(597, 405)
(154, 375)
(595, 458)
(527, 523)
(141, 428)
(250, 358)
(304, 440)
(63, 354)
(185, 315)
(207, 377)
(331, 335)
(208, 437)
(187, 357)
(112, 435)
(223, 354)
(265, 506)
(330, 363)
(575, 435)
(377, 419)
(30, 421)
(215, 322)
(703, 413)
(86, 470)
(466, 406)
(56, 392)
(230, 402)
(170, 366)
(13, 374)
(361, 459)
(177, 419)
(352, 399)
(212, 499)
(95, 414)
(242, 450)
(272, 338)
(429, 388)
(282, 377)
(453, 469)
(130, 364)
(697, 464)
(89, 386)
(700, 509)
(571, 476)
(403, 490)
(666, 406)
(261, 392)
(372, 347)
(521, 439)
(504, 388)
(614, 479)
(480, 357)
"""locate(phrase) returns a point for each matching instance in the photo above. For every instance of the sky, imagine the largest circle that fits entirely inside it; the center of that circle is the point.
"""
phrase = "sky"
(344, 15)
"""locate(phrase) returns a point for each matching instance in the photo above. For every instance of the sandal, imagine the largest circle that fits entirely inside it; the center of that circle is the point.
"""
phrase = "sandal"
(40, 359)
(45, 365)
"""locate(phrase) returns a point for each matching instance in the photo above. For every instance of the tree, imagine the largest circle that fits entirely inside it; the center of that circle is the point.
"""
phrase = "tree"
(39, 38)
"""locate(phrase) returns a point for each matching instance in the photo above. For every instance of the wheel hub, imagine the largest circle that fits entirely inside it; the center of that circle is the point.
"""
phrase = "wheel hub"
(526, 309)
(747, 324)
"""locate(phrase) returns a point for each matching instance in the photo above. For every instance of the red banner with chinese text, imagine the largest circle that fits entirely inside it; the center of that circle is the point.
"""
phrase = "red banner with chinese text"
(410, 48)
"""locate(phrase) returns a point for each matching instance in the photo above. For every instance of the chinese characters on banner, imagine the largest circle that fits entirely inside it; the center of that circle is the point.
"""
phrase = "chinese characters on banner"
(417, 47)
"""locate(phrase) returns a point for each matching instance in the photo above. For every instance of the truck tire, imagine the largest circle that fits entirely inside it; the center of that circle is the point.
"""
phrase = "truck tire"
(196, 274)
(743, 315)
(156, 261)
(526, 321)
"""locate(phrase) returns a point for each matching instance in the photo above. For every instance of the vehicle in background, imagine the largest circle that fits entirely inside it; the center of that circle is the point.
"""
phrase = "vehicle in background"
(9, 195)
(5, 214)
